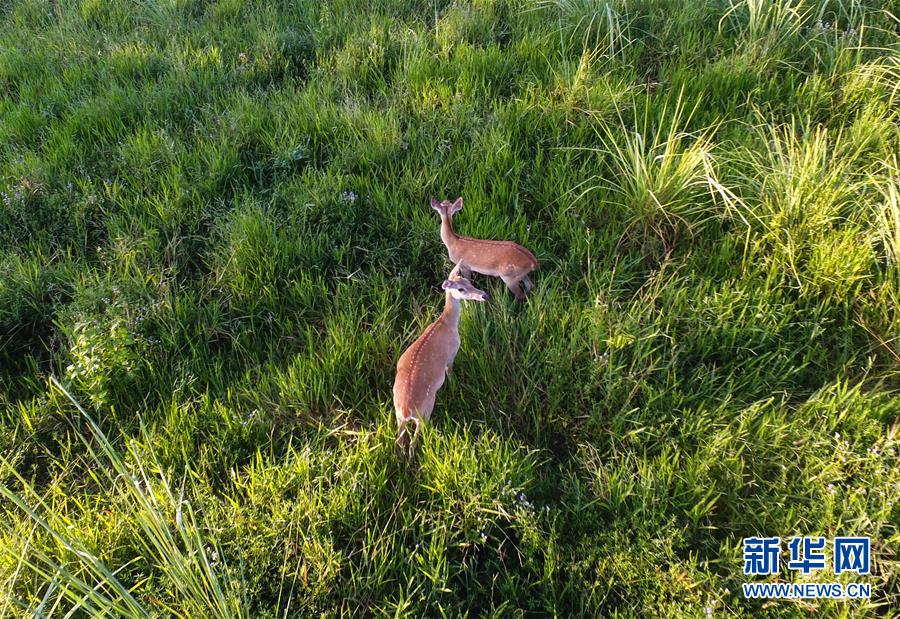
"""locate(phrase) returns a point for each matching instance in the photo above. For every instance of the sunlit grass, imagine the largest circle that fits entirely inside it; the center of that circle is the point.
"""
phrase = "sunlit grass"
(887, 214)
(172, 538)
(215, 242)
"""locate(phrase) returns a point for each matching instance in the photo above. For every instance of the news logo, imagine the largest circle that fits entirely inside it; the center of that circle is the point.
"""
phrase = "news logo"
(851, 554)
(804, 554)
(762, 557)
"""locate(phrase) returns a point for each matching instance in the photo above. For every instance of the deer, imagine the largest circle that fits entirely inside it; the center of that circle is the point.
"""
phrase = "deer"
(425, 365)
(504, 259)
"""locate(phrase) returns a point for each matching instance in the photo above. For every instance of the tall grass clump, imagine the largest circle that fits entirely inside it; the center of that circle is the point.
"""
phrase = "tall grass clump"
(805, 177)
(882, 73)
(598, 25)
(809, 190)
(662, 174)
(887, 215)
(766, 25)
(173, 541)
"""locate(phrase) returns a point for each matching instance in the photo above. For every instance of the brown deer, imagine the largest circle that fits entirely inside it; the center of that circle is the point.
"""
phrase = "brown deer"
(422, 369)
(504, 259)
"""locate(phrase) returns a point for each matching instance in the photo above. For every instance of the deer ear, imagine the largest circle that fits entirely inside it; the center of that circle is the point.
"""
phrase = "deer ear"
(457, 205)
(446, 284)
(435, 204)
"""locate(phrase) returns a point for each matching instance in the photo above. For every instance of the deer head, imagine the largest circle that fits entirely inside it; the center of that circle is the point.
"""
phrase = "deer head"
(462, 289)
(447, 207)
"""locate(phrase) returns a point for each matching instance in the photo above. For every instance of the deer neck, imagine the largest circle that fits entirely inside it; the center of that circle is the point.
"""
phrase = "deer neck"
(448, 236)
(452, 309)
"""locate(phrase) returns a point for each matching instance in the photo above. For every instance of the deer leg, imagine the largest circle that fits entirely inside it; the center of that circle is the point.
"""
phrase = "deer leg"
(413, 437)
(513, 284)
(526, 281)
(403, 437)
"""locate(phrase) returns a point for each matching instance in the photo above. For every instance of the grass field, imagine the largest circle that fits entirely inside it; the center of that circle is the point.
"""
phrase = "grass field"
(216, 241)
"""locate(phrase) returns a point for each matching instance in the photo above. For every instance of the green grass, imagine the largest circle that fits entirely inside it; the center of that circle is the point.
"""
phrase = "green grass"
(215, 242)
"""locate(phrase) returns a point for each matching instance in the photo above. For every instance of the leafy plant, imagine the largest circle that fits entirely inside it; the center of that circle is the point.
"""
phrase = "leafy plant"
(173, 539)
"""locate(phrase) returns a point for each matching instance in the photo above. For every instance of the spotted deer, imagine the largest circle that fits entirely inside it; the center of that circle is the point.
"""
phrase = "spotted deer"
(504, 259)
(422, 369)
